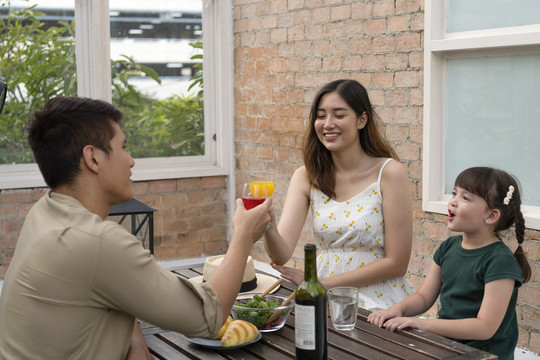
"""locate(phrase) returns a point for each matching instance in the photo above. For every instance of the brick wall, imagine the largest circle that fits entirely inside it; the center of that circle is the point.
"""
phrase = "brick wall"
(191, 220)
(286, 49)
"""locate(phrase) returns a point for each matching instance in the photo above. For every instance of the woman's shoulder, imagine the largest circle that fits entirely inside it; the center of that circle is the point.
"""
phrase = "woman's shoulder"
(392, 173)
(300, 180)
(391, 167)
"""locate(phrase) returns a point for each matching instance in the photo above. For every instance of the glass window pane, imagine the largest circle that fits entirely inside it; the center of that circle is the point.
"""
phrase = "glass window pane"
(492, 118)
(156, 52)
(466, 15)
(43, 37)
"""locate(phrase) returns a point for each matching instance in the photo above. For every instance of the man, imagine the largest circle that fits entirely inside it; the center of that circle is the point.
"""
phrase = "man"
(77, 283)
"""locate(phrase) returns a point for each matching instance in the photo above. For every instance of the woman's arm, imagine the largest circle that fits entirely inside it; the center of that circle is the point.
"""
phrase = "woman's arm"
(281, 241)
(497, 296)
(397, 212)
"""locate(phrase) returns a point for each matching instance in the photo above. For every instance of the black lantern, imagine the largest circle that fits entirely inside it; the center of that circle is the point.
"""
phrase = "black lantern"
(140, 214)
(3, 92)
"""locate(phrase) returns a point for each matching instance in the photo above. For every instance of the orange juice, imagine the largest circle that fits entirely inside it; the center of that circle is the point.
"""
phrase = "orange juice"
(257, 191)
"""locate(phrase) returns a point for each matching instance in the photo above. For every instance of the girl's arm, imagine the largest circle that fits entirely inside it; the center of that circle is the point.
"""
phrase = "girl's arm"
(497, 296)
(280, 241)
(416, 304)
(397, 212)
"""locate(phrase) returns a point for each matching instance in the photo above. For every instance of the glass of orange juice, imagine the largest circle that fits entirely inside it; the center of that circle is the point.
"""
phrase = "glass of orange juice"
(266, 178)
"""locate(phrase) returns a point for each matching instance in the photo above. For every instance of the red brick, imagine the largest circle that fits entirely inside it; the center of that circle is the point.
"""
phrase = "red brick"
(375, 26)
(409, 152)
(361, 10)
(408, 41)
(383, 8)
(162, 186)
(321, 15)
(278, 6)
(397, 133)
(18, 196)
(534, 342)
(373, 63)
(405, 116)
(528, 317)
(529, 294)
(406, 79)
(398, 23)
(382, 80)
(396, 97)
(8, 211)
(12, 226)
(396, 61)
(382, 44)
(342, 12)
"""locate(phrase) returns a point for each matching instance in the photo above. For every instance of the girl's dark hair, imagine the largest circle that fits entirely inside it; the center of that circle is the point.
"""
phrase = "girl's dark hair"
(494, 186)
(62, 128)
(317, 158)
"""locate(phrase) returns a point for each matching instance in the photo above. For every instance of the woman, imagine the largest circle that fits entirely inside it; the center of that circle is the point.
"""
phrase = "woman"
(349, 181)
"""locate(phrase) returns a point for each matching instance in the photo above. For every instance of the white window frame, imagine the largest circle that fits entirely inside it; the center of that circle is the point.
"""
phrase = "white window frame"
(93, 55)
(439, 46)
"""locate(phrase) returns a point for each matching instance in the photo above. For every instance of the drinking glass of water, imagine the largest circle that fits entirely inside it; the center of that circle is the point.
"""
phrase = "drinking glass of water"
(343, 303)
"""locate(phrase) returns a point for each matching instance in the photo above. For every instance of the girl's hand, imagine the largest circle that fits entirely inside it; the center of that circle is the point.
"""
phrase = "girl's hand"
(400, 323)
(296, 276)
(379, 317)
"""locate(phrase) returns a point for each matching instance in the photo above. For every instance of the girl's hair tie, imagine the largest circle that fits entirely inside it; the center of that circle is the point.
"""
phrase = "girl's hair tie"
(506, 200)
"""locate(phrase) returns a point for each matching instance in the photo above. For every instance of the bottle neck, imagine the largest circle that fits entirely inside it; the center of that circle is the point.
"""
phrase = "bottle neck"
(310, 266)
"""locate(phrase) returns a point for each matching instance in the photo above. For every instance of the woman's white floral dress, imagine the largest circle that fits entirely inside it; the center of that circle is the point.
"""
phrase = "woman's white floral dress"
(350, 235)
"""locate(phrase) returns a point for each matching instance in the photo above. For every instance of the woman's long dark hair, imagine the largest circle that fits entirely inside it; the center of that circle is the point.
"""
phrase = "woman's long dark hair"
(500, 190)
(317, 158)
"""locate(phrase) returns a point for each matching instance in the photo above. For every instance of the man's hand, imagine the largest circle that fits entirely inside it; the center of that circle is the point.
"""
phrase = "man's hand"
(254, 222)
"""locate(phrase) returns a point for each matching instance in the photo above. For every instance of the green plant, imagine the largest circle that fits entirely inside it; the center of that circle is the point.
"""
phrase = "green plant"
(39, 64)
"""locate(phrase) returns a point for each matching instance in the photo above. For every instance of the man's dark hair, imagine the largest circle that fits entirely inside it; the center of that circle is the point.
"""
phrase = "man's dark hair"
(62, 128)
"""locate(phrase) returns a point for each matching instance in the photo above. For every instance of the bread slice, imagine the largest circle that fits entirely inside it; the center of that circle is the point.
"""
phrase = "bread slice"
(224, 328)
(239, 332)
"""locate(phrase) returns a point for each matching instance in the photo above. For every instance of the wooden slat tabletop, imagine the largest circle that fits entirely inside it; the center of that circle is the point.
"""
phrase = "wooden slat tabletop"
(366, 341)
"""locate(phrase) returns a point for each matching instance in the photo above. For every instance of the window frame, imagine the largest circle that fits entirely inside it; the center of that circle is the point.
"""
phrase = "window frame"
(92, 57)
(439, 46)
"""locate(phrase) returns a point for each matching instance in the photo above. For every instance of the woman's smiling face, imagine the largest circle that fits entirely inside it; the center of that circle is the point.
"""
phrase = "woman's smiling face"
(336, 123)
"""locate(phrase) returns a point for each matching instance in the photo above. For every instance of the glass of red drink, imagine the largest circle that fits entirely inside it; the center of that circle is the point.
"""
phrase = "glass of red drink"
(253, 194)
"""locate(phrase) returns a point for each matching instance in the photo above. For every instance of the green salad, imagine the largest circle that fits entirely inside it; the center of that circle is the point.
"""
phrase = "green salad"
(259, 317)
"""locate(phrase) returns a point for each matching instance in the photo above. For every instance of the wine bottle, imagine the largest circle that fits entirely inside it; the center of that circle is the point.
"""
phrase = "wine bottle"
(310, 321)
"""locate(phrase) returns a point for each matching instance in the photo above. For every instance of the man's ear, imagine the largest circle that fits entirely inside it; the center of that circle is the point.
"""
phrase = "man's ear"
(89, 158)
(362, 120)
(493, 216)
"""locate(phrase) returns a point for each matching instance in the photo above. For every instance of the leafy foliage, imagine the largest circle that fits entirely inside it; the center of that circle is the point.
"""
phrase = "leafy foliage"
(38, 64)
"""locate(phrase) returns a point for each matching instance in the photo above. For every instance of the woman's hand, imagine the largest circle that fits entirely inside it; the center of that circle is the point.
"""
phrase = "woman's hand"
(296, 276)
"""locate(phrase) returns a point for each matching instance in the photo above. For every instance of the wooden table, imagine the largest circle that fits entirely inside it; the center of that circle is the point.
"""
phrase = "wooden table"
(366, 341)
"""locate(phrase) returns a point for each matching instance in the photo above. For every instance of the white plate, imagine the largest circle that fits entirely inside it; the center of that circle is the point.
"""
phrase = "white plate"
(216, 344)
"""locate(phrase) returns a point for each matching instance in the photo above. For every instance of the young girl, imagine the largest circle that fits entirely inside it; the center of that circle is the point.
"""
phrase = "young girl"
(359, 198)
(475, 274)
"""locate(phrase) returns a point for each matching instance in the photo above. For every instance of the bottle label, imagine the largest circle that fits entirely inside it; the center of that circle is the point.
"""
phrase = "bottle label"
(304, 324)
